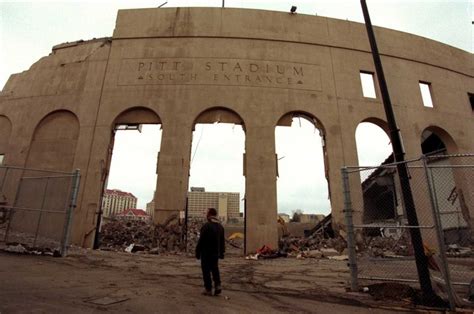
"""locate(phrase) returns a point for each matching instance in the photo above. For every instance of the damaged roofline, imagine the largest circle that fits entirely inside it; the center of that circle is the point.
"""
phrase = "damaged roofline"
(81, 42)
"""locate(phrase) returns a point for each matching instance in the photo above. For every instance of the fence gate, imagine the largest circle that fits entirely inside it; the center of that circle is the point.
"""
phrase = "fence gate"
(379, 241)
(36, 207)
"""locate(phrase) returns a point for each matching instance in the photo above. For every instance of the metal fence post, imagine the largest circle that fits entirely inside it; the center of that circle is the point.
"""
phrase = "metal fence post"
(439, 233)
(350, 229)
(67, 225)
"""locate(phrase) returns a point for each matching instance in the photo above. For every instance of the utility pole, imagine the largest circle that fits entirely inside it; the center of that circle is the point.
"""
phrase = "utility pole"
(416, 239)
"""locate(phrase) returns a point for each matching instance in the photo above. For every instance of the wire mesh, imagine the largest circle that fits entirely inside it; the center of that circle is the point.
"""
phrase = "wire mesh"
(35, 208)
(442, 189)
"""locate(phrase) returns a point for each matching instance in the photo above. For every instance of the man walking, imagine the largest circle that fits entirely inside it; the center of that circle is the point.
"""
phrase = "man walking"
(211, 247)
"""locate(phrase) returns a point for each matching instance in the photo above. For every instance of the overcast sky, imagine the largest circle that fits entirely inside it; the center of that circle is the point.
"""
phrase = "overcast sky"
(28, 30)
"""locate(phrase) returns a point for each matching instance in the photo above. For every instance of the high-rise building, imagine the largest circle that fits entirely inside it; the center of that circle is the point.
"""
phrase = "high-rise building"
(115, 201)
(150, 208)
(226, 204)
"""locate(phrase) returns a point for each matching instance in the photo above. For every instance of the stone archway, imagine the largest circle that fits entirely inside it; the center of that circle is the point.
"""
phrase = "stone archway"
(53, 146)
(311, 160)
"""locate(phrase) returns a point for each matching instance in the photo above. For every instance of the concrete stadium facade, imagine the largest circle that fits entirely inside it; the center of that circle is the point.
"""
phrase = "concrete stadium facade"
(182, 66)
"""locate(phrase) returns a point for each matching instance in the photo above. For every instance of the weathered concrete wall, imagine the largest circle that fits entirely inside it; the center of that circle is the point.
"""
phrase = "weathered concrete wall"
(257, 65)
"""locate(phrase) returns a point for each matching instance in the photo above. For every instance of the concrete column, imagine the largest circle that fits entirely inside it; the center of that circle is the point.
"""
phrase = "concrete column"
(173, 170)
(92, 181)
(260, 187)
(342, 151)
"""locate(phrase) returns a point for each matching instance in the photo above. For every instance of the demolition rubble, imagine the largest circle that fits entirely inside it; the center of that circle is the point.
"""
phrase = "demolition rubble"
(138, 235)
(175, 236)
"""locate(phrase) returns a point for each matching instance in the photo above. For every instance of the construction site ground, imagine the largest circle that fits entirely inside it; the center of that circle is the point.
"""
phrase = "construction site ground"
(88, 281)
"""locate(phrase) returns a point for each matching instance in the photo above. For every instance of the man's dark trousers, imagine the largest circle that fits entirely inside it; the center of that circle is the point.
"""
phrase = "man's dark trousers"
(210, 264)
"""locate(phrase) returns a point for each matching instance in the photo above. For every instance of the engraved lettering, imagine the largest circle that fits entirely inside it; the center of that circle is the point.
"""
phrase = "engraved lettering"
(236, 72)
(298, 73)
(222, 65)
(237, 67)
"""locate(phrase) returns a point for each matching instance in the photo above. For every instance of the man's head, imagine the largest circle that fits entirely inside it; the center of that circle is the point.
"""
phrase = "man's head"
(211, 212)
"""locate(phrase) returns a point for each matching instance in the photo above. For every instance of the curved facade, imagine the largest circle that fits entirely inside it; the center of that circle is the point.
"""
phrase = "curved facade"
(181, 66)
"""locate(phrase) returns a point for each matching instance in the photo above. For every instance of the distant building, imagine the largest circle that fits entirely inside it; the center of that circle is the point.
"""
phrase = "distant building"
(226, 203)
(133, 214)
(116, 201)
(197, 189)
(150, 208)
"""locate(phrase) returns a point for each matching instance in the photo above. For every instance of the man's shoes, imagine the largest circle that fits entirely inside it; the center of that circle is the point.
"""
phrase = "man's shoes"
(207, 292)
(217, 290)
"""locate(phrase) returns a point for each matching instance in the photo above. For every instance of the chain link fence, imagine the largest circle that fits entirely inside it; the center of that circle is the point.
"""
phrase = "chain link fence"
(36, 208)
(379, 236)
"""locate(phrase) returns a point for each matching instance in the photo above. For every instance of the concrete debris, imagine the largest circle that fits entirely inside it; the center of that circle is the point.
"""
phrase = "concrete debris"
(327, 252)
(386, 246)
(455, 250)
(315, 246)
(339, 258)
(16, 248)
(132, 248)
(140, 236)
(312, 254)
(25, 249)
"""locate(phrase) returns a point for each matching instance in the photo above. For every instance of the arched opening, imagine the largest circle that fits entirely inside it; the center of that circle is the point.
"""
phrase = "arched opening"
(379, 192)
(449, 185)
(53, 146)
(216, 171)
(45, 186)
(130, 176)
(302, 170)
(435, 140)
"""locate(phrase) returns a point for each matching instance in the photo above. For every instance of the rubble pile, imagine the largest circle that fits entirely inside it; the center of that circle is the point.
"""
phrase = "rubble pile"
(454, 250)
(194, 226)
(386, 246)
(18, 248)
(118, 234)
(309, 247)
(138, 235)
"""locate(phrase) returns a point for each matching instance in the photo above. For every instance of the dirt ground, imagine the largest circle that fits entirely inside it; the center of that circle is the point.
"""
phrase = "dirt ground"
(96, 281)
